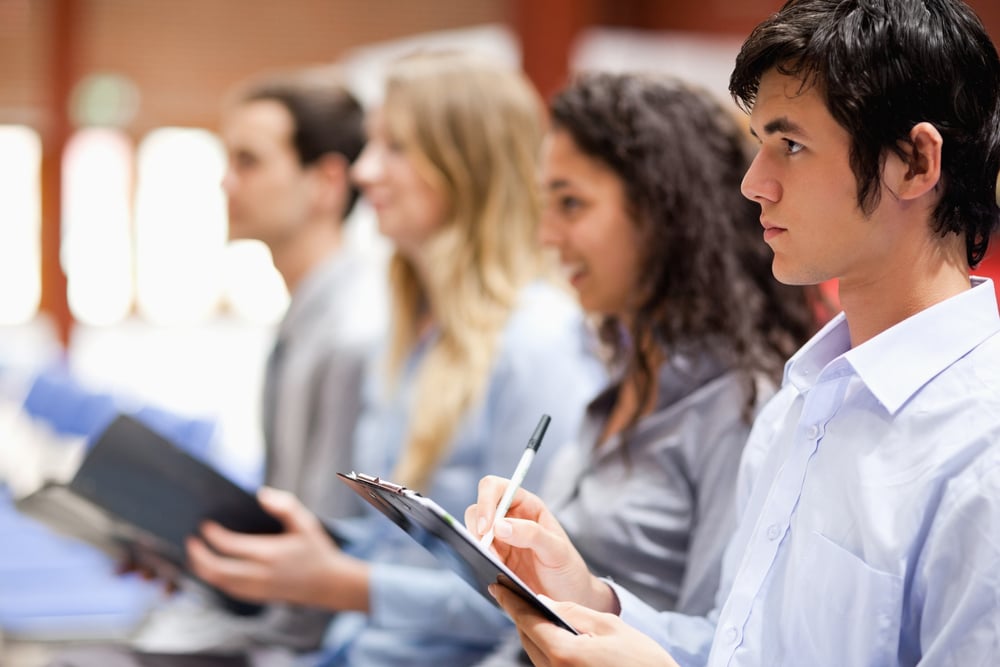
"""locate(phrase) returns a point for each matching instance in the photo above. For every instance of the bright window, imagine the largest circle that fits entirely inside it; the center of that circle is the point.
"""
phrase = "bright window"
(97, 238)
(253, 288)
(180, 225)
(20, 223)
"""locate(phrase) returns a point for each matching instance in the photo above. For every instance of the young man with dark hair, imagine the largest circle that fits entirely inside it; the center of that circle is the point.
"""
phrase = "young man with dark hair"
(291, 140)
(870, 486)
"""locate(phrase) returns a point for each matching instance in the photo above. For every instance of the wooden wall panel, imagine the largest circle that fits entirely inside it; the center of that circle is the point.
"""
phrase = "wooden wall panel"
(25, 60)
(184, 54)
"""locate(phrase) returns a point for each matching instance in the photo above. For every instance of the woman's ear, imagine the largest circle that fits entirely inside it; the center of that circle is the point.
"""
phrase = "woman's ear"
(922, 162)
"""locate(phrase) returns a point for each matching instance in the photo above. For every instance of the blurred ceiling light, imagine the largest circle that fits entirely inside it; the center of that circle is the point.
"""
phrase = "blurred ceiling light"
(104, 100)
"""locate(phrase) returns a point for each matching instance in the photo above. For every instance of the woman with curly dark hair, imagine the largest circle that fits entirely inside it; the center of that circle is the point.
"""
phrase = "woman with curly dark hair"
(642, 176)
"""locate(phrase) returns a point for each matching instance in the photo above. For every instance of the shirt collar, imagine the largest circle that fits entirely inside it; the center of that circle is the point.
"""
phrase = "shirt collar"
(681, 375)
(803, 368)
(895, 364)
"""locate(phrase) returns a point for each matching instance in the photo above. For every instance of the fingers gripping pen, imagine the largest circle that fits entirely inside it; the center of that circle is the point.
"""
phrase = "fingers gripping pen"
(518, 477)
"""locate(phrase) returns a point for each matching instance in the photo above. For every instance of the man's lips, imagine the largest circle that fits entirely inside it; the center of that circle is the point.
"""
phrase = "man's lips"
(771, 231)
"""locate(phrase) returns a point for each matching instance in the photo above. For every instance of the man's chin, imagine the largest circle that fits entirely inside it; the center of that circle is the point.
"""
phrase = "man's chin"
(796, 278)
(236, 232)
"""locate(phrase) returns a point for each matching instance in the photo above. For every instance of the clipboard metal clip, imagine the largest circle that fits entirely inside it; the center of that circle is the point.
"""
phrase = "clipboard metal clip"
(381, 483)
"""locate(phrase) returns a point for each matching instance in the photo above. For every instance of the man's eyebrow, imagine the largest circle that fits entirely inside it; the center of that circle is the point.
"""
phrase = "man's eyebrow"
(780, 125)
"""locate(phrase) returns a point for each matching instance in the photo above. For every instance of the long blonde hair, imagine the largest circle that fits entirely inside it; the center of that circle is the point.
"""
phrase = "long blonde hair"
(472, 128)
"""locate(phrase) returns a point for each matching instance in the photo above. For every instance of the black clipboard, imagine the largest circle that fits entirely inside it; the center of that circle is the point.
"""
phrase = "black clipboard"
(447, 538)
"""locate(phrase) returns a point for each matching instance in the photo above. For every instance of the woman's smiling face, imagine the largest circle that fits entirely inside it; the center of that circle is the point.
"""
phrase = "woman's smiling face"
(587, 219)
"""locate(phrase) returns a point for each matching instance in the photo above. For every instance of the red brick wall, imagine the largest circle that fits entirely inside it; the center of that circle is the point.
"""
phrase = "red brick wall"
(184, 54)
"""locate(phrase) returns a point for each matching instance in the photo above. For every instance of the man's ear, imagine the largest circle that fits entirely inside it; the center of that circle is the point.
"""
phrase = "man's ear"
(922, 163)
(332, 172)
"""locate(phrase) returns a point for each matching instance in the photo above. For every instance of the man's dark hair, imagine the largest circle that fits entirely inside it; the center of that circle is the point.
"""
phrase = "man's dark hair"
(327, 118)
(706, 275)
(883, 66)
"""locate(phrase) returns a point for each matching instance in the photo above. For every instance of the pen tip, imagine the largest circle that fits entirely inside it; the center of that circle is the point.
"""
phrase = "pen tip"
(536, 437)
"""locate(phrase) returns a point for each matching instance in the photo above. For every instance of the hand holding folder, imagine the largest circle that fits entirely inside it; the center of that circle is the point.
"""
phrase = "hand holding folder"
(137, 496)
(301, 566)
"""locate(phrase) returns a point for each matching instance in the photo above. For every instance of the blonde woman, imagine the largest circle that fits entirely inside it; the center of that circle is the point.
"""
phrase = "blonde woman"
(481, 345)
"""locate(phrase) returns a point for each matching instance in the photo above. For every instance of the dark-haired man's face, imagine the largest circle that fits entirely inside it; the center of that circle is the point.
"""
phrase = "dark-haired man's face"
(268, 192)
(803, 181)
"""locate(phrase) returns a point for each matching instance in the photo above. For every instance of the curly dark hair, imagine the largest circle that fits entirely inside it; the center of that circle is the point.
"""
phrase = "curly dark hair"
(883, 66)
(707, 281)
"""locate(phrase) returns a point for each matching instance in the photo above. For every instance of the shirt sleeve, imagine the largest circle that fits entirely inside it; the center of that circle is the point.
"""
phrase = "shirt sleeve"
(688, 639)
(954, 605)
(433, 602)
(335, 407)
(719, 445)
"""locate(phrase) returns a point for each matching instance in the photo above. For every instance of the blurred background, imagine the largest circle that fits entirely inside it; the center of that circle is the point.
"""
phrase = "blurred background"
(114, 256)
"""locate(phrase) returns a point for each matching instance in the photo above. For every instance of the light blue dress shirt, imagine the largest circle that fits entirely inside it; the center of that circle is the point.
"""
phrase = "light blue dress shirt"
(422, 613)
(870, 498)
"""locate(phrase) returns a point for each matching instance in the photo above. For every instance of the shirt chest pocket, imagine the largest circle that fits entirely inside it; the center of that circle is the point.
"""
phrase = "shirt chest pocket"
(839, 610)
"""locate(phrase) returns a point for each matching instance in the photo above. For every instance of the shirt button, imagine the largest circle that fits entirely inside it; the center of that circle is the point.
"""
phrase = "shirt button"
(813, 432)
(773, 532)
(732, 634)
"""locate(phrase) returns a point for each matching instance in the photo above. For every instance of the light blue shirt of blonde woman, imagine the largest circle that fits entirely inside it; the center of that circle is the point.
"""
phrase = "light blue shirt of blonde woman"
(870, 494)
(421, 612)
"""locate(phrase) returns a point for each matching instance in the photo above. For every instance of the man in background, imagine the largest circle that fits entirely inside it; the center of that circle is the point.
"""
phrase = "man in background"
(290, 142)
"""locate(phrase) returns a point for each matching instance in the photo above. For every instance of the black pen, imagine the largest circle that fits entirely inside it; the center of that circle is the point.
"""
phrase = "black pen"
(518, 477)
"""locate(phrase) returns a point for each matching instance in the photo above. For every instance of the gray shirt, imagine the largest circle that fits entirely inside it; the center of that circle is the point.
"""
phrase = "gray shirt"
(656, 514)
(312, 401)
(312, 387)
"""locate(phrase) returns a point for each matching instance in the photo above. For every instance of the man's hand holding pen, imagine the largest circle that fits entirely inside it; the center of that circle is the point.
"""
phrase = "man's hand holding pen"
(533, 544)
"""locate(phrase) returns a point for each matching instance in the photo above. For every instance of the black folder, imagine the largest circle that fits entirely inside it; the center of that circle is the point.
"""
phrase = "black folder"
(137, 495)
